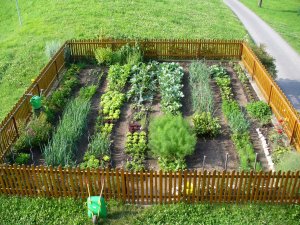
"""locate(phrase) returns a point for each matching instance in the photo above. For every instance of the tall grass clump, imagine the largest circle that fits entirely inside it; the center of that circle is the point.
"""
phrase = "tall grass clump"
(201, 93)
(62, 147)
(51, 48)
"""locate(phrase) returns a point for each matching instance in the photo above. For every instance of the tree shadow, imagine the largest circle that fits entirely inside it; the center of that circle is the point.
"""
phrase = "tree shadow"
(291, 88)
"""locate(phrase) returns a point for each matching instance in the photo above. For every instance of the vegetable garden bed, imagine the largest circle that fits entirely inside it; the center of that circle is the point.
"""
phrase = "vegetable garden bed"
(147, 115)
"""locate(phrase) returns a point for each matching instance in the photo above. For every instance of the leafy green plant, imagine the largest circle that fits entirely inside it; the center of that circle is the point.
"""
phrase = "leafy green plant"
(136, 147)
(201, 93)
(260, 111)
(104, 56)
(170, 78)
(205, 125)
(111, 103)
(217, 70)
(22, 159)
(35, 134)
(171, 138)
(117, 77)
(90, 161)
(60, 150)
(130, 54)
(88, 91)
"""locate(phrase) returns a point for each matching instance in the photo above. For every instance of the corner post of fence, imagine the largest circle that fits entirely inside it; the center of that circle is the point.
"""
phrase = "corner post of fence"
(293, 132)
(15, 126)
(253, 69)
(38, 89)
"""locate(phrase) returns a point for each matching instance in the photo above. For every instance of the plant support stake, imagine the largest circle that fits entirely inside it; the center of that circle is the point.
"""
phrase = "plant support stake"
(226, 161)
(203, 164)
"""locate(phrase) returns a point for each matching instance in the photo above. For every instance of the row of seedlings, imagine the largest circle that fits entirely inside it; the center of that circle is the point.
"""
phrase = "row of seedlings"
(204, 124)
(237, 121)
(62, 148)
(98, 153)
(171, 138)
(143, 87)
(39, 130)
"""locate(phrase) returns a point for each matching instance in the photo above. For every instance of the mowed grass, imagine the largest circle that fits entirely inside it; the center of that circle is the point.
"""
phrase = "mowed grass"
(283, 16)
(25, 210)
(22, 47)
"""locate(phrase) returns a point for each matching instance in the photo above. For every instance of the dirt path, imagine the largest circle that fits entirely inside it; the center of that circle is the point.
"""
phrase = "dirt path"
(87, 77)
(240, 96)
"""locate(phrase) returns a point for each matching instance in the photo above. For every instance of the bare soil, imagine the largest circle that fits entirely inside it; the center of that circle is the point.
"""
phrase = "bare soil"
(214, 150)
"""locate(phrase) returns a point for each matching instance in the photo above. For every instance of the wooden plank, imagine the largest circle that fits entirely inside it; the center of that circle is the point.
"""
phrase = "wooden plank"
(136, 177)
(267, 189)
(276, 188)
(147, 187)
(194, 185)
(108, 196)
(123, 181)
(73, 193)
(179, 186)
(199, 187)
(184, 185)
(132, 189)
(80, 181)
(284, 191)
(160, 187)
(5, 188)
(142, 187)
(156, 186)
(239, 187)
(62, 181)
(151, 186)
(53, 181)
(221, 197)
(257, 187)
(28, 178)
(247, 198)
(170, 188)
(45, 182)
(118, 184)
(293, 192)
(212, 188)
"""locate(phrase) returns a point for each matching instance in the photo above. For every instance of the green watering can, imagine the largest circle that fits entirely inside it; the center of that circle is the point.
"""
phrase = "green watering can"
(36, 102)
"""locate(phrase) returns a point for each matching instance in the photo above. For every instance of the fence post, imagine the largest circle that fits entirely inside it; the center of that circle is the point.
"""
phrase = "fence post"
(269, 99)
(15, 126)
(56, 69)
(293, 132)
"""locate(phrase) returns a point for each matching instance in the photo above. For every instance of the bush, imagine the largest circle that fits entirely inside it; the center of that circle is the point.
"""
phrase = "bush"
(206, 125)
(260, 111)
(22, 158)
(289, 161)
(201, 93)
(171, 138)
(266, 59)
(51, 48)
(35, 134)
(104, 56)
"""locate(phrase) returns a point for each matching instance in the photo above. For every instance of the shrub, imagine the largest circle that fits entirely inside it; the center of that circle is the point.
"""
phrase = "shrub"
(22, 158)
(201, 93)
(171, 138)
(51, 48)
(289, 161)
(61, 148)
(260, 111)
(206, 125)
(104, 56)
(35, 134)
(266, 59)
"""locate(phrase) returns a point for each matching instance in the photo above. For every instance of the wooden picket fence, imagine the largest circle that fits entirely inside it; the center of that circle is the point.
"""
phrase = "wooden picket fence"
(156, 50)
(9, 127)
(281, 106)
(152, 187)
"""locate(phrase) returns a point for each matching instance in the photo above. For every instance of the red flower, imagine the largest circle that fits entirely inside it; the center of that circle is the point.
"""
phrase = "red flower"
(279, 131)
(280, 121)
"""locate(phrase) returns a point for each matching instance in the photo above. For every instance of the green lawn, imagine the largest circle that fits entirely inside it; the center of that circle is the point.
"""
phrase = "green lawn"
(17, 210)
(283, 16)
(22, 48)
